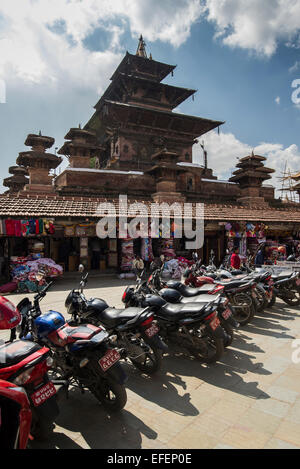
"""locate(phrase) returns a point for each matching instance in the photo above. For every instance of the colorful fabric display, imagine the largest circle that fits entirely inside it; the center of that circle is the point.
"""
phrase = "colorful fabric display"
(10, 227)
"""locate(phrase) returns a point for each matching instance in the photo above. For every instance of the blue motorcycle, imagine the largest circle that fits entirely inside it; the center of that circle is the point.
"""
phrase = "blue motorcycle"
(83, 355)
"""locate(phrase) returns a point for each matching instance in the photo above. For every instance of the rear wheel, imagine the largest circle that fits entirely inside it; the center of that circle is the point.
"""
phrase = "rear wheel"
(208, 349)
(243, 308)
(146, 359)
(229, 332)
(272, 300)
(41, 430)
(111, 395)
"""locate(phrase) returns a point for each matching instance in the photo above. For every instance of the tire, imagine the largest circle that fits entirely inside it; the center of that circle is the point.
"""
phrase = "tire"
(153, 358)
(42, 430)
(262, 302)
(272, 301)
(214, 346)
(111, 395)
(229, 331)
(293, 302)
(247, 310)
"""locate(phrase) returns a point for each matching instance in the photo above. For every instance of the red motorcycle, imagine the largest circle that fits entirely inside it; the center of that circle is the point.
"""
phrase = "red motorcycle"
(26, 365)
(15, 416)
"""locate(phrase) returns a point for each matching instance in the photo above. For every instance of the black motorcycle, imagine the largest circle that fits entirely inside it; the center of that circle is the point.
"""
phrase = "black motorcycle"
(133, 329)
(287, 287)
(82, 355)
(193, 326)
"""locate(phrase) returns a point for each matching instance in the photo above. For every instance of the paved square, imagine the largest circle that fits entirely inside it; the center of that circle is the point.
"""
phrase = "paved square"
(250, 399)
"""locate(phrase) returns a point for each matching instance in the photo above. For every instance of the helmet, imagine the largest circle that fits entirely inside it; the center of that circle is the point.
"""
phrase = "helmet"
(10, 316)
(291, 258)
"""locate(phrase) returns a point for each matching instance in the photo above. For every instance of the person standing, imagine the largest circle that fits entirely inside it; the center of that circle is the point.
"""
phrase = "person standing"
(235, 260)
(260, 257)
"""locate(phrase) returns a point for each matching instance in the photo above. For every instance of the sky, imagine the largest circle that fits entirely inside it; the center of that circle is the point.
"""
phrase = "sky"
(242, 57)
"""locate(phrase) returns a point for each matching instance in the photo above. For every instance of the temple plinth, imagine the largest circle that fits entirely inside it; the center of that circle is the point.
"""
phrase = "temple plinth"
(38, 163)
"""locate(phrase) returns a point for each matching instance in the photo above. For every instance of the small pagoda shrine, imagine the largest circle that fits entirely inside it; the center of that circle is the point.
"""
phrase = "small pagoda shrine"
(82, 149)
(250, 176)
(165, 172)
(38, 163)
(17, 181)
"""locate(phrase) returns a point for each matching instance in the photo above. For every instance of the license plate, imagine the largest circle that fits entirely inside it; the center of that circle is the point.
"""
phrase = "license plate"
(214, 323)
(152, 330)
(227, 313)
(298, 281)
(109, 359)
(43, 393)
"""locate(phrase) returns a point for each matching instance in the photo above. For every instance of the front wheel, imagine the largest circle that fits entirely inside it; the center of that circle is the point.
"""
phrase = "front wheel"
(293, 301)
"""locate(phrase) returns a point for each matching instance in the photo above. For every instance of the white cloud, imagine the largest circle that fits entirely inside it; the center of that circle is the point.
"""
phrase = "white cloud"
(277, 100)
(33, 51)
(295, 67)
(225, 149)
(255, 25)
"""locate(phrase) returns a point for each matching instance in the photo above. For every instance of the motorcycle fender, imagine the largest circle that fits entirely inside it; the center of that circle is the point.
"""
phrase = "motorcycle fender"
(156, 342)
(231, 321)
(116, 373)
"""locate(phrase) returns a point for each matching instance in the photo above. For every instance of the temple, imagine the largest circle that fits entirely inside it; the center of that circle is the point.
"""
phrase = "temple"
(137, 144)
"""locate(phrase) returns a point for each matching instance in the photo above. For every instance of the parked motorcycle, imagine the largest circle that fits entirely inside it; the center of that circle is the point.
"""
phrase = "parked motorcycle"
(287, 287)
(193, 326)
(83, 355)
(16, 416)
(27, 365)
(239, 293)
(134, 330)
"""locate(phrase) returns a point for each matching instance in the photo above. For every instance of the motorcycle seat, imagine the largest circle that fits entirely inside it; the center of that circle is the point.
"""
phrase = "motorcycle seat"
(112, 317)
(190, 291)
(235, 283)
(201, 299)
(282, 276)
(15, 352)
(178, 311)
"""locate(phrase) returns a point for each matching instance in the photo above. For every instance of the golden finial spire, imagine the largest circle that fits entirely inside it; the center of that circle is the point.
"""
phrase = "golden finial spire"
(141, 51)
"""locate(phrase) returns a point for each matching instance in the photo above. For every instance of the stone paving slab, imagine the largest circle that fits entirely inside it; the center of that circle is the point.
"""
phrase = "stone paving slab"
(250, 399)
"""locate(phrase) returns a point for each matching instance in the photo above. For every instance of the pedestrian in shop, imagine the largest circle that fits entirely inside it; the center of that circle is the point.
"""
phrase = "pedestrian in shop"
(260, 257)
(138, 265)
(235, 260)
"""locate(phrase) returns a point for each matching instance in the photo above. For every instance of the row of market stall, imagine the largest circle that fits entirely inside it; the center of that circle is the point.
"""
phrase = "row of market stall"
(34, 246)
